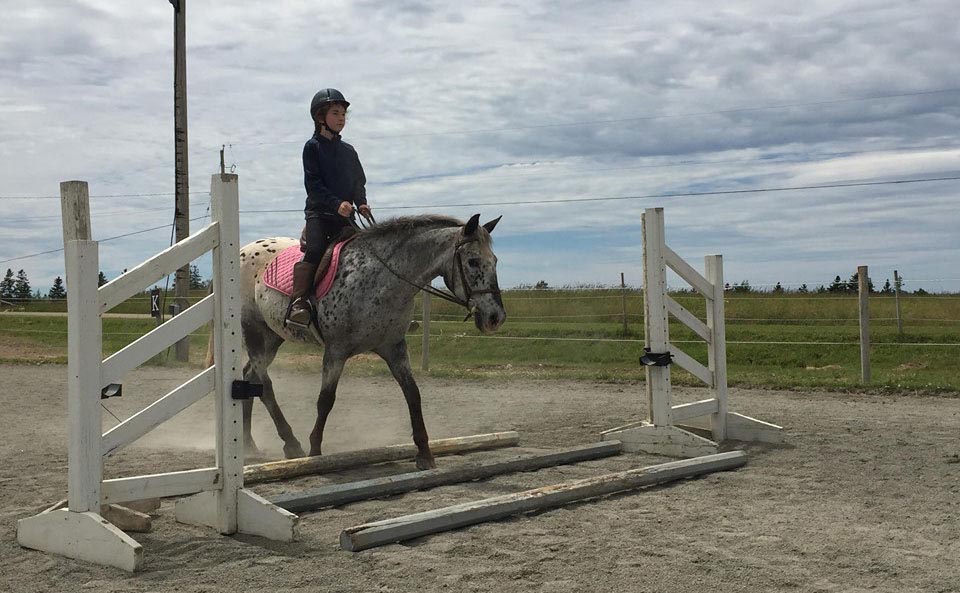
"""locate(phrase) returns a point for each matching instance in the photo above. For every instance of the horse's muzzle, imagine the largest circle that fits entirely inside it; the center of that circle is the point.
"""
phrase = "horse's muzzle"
(489, 321)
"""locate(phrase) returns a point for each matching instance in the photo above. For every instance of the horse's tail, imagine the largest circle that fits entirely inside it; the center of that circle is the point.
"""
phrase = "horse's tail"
(208, 359)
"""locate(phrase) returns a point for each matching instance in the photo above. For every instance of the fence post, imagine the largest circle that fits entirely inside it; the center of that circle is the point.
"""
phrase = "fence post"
(623, 302)
(84, 349)
(896, 299)
(717, 346)
(864, 289)
(425, 351)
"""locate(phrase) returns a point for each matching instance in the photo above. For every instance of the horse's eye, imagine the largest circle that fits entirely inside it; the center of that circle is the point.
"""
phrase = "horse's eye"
(474, 262)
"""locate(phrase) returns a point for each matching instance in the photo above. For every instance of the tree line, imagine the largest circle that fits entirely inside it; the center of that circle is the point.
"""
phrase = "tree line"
(17, 288)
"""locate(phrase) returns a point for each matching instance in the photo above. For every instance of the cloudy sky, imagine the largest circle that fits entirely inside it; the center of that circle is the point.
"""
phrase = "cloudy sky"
(568, 118)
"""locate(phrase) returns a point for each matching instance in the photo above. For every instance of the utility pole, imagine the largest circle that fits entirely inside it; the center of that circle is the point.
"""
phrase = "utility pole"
(181, 218)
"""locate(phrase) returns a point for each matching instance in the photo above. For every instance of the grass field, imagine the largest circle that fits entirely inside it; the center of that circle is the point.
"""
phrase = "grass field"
(774, 340)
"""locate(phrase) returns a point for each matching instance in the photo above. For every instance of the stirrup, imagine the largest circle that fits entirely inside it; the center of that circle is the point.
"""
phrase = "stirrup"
(287, 321)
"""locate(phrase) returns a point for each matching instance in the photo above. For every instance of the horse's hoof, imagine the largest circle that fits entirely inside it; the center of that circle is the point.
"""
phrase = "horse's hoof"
(294, 451)
(425, 463)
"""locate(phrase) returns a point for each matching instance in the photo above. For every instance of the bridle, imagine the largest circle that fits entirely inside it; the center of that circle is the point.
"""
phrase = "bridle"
(450, 296)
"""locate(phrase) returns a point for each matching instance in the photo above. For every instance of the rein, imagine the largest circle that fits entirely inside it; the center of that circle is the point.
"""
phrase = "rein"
(437, 292)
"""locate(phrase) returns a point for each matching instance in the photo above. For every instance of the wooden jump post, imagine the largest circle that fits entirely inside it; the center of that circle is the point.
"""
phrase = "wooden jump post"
(220, 500)
(408, 527)
(669, 429)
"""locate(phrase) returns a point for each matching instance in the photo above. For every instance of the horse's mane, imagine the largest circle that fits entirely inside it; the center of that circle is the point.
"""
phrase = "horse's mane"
(408, 224)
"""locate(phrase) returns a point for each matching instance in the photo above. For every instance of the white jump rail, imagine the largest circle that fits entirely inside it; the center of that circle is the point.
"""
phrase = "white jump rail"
(661, 432)
(219, 498)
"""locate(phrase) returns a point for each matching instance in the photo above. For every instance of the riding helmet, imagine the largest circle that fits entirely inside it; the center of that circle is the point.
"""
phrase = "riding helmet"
(325, 96)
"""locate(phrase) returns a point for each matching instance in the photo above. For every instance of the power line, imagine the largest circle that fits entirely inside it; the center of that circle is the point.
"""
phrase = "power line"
(163, 226)
(833, 185)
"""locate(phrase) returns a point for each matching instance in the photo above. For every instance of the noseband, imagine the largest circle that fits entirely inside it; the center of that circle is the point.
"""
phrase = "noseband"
(467, 290)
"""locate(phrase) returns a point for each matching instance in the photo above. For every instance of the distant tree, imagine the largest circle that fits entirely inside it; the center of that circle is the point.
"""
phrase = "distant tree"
(101, 279)
(541, 285)
(853, 285)
(196, 281)
(837, 285)
(21, 287)
(822, 289)
(778, 289)
(57, 291)
(887, 288)
(803, 289)
(920, 292)
(37, 294)
(744, 286)
(7, 286)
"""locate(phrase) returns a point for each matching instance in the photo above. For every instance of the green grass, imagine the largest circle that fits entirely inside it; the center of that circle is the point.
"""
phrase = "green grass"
(812, 341)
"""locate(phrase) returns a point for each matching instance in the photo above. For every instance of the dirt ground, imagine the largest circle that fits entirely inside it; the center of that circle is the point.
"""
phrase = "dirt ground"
(863, 497)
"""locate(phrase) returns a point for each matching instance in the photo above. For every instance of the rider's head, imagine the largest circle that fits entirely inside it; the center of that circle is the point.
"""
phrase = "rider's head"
(328, 110)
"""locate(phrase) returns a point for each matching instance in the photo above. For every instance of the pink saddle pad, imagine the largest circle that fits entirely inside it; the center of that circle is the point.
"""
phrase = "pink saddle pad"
(279, 272)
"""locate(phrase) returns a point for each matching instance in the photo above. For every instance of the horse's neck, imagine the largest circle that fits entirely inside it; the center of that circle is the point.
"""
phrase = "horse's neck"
(422, 256)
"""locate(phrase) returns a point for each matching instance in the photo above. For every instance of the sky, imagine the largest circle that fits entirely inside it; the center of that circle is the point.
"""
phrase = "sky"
(567, 118)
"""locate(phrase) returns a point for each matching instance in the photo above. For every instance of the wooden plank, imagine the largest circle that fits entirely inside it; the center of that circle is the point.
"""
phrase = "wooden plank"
(686, 271)
(655, 316)
(697, 409)
(166, 262)
(687, 318)
(158, 412)
(691, 365)
(84, 349)
(147, 346)
(291, 468)
(671, 441)
(257, 516)
(338, 494)
(161, 485)
(407, 527)
(81, 536)
(127, 519)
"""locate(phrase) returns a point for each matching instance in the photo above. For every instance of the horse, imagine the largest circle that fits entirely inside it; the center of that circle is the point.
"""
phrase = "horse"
(368, 309)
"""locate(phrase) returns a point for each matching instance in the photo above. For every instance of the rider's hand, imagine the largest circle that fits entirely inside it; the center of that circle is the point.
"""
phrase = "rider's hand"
(345, 209)
(365, 211)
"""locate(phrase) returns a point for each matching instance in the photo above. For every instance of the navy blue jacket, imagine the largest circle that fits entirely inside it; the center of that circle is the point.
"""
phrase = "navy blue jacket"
(331, 174)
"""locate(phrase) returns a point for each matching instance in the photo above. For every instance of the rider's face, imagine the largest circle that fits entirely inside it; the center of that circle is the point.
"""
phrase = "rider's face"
(336, 118)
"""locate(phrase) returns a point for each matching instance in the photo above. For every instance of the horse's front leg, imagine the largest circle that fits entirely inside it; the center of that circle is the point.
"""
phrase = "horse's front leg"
(398, 360)
(332, 369)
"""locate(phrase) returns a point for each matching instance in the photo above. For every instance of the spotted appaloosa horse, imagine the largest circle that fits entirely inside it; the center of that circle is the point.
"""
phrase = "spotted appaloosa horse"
(369, 308)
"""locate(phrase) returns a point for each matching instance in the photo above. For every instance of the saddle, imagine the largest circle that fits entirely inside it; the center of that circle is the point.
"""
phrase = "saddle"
(278, 275)
(346, 235)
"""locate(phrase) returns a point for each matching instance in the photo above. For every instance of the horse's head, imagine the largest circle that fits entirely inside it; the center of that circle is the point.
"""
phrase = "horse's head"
(472, 274)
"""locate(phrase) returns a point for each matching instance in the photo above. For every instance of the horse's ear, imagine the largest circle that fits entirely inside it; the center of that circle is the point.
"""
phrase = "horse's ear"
(492, 224)
(471, 226)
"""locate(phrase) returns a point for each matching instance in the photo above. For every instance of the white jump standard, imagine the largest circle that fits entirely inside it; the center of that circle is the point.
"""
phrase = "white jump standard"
(220, 501)
(669, 429)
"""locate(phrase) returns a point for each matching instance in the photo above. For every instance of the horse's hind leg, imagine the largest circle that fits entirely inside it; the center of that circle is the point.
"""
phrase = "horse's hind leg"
(262, 345)
(332, 369)
(398, 360)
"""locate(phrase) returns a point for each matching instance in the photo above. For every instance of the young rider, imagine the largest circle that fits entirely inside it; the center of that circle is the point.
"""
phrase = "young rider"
(335, 183)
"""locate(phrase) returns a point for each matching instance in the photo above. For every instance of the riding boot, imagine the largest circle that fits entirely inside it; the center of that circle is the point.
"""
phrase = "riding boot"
(300, 311)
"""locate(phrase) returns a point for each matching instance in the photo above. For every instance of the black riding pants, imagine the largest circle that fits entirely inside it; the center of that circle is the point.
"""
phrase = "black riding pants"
(319, 233)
